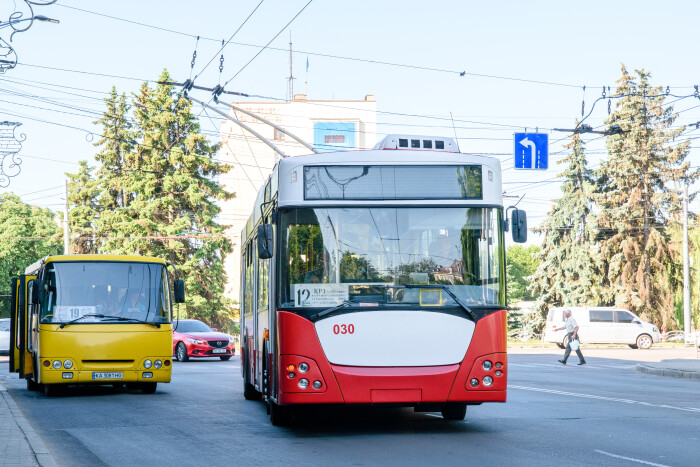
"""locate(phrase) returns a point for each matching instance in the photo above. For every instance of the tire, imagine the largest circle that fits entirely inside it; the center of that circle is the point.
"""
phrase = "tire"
(281, 415)
(181, 352)
(132, 386)
(249, 392)
(148, 388)
(118, 386)
(32, 385)
(644, 341)
(226, 358)
(52, 390)
(633, 346)
(564, 342)
(454, 411)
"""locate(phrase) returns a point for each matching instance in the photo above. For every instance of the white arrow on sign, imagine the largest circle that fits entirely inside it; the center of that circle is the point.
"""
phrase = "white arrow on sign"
(533, 147)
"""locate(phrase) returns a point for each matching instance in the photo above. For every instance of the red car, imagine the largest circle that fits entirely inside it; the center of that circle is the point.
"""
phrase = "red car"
(193, 338)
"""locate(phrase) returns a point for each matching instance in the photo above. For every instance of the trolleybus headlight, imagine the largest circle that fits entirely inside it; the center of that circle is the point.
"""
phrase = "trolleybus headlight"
(303, 367)
(67, 364)
(498, 365)
(291, 375)
(317, 384)
(147, 375)
(498, 373)
(147, 364)
(474, 382)
(67, 375)
(56, 364)
(487, 365)
(303, 383)
(488, 381)
(158, 364)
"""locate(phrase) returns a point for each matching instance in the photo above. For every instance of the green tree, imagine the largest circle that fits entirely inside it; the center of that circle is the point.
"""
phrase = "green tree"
(636, 196)
(521, 262)
(568, 273)
(83, 192)
(27, 234)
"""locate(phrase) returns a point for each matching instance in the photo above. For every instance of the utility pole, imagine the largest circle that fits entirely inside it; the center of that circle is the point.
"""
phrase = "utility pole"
(66, 233)
(686, 270)
(291, 74)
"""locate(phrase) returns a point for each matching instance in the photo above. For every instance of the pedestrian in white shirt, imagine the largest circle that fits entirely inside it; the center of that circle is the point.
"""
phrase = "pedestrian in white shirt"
(571, 327)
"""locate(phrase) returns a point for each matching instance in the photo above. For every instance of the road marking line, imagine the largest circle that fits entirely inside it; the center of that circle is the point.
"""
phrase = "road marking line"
(603, 398)
(630, 459)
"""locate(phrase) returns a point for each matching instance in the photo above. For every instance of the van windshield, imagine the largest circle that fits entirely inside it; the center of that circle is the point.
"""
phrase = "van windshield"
(100, 291)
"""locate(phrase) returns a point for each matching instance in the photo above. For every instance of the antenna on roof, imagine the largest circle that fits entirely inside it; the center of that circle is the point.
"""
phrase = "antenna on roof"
(455, 130)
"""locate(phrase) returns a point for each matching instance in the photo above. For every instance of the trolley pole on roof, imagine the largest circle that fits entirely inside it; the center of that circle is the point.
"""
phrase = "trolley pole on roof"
(66, 233)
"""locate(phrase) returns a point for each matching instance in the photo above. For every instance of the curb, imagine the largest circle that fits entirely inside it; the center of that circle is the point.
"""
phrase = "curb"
(43, 457)
(694, 375)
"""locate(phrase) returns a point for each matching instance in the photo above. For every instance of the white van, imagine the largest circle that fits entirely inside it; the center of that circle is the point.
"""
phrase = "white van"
(602, 325)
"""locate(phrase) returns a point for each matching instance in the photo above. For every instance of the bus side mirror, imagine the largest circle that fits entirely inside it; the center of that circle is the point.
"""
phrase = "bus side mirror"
(33, 292)
(179, 289)
(265, 236)
(519, 226)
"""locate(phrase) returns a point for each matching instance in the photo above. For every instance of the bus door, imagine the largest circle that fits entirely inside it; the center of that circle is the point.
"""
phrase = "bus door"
(14, 326)
(23, 362)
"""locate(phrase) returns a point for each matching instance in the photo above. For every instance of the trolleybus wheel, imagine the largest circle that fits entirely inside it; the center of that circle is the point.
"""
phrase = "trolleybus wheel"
(181, 352)
(249, 391)
(148, 388)
(280, 415)
(226, 358)
(454, 411)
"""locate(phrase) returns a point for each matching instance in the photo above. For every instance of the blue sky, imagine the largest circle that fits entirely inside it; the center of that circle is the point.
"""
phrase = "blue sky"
(566, 44)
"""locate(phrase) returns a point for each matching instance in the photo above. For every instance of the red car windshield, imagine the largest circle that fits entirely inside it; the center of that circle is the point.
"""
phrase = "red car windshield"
(192, 326)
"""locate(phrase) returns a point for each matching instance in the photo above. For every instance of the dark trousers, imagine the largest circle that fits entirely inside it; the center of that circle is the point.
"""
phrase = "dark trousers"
(568, 350)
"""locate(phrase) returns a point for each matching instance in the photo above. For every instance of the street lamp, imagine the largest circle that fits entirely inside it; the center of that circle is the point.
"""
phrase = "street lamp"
(12, 22)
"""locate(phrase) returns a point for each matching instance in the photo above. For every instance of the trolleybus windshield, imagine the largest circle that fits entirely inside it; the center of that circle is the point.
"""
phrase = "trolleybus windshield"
(104, 292)
(330, 256)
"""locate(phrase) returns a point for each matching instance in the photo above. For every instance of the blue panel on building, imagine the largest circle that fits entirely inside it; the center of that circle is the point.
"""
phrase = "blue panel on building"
(334, 136)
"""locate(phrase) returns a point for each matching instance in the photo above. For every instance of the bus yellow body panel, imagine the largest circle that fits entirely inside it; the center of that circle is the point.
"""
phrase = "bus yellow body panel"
(105, 348)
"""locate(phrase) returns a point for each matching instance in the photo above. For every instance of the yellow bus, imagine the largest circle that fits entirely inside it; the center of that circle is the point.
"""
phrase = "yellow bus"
(93, 319)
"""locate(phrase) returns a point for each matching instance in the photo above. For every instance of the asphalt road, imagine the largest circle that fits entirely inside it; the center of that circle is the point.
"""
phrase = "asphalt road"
(603, 413)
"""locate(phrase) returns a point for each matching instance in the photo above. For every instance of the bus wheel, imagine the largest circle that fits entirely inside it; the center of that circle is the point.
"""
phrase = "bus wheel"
(249, 391)
(454, 411)
(181, 352)
(280, 415)
(227, 358)
(148, 388)
(51, 390)
(32, 385)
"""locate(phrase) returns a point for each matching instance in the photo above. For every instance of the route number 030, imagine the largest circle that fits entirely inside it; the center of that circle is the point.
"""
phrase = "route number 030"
(343, 329)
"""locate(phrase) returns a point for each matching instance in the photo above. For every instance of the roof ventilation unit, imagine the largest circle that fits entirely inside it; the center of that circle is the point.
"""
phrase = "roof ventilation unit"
(417, 143)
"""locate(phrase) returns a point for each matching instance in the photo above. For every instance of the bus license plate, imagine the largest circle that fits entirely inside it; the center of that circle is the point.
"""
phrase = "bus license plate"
(218, 351)
(111, 375)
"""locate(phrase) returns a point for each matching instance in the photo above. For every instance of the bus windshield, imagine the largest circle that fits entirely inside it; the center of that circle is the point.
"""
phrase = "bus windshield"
(331, 256)
(105, 292)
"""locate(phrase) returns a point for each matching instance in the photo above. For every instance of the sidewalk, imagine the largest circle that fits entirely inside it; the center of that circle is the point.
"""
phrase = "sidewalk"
(676, 368)
(19, 444)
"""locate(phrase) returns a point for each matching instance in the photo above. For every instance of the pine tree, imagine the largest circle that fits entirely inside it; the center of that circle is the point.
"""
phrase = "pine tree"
(169, 189)
(636, 195)
(568, 273)
(83, 192)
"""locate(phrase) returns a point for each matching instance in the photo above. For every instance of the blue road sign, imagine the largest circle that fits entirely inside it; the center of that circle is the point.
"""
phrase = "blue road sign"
(531, 151)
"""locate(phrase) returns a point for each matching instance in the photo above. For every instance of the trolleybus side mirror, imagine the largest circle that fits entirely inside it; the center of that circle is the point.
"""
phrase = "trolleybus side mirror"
(265, 246)
(179, 289)
(519, 226)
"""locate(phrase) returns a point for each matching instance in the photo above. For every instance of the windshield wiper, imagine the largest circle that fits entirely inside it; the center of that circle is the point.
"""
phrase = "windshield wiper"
(452, 295)
(330, 310)
(133, 320)
(90, 315)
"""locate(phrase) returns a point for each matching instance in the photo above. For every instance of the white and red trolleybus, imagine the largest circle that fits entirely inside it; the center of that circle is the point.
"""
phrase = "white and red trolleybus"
(377, 277)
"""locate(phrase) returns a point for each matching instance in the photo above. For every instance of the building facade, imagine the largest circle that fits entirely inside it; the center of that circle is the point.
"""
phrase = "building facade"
(326, 125)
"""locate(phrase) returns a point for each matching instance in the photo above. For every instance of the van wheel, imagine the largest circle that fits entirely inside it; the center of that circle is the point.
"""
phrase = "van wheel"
(561, 346)
(564, 342)
(454, 411)
(644, 341)
(633, 346)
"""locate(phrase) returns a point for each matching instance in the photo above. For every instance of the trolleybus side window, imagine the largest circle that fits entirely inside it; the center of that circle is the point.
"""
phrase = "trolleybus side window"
(263, 270)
